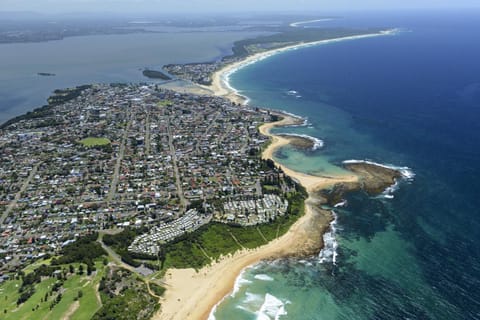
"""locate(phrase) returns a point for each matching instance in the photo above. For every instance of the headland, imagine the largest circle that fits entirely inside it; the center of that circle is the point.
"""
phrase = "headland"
(190, 294)
(193, 295)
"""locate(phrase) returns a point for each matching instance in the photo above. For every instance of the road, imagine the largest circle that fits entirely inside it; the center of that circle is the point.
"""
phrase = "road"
(121, 153)
(147, 134)
(178, 180)
(19, 193)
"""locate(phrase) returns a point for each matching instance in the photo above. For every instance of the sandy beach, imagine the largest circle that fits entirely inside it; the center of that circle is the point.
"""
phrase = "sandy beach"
(193, 295)
(221, 87)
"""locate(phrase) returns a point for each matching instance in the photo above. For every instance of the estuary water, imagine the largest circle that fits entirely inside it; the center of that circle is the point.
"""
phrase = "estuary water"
(98, 59)
(411, 99)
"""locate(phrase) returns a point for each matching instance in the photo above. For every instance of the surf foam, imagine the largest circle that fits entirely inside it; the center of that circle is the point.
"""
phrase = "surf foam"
(407, 175)
(239, 282)
(317, 143)
(330, 244)
(272, 308)
(263, 277)
(406, 172)
(340, 204)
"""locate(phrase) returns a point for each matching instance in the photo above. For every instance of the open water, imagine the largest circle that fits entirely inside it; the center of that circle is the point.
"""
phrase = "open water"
(411, 99)
(98, 59)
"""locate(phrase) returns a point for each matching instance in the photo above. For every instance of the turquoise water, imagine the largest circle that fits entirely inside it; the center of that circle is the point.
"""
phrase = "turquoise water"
(413, 100)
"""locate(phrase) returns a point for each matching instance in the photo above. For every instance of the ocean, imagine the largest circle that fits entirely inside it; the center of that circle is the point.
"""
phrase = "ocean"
(413, 100)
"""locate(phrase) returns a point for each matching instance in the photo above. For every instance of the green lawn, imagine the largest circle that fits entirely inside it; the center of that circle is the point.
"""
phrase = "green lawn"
(88, 302)
(271, 188)
(74, 283)
(36, 264)
(218, 239)
(165, 103)
(94, 142)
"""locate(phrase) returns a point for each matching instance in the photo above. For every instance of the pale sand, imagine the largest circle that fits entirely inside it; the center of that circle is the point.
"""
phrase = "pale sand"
(222, 88)
(311, 183)
(192, 295)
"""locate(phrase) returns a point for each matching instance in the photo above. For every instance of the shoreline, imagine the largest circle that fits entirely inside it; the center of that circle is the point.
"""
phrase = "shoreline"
(221, 79)
(299, 23)
(195, 295)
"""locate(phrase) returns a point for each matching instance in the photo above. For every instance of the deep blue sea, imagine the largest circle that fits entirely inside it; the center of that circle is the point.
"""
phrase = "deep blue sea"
(410, 99)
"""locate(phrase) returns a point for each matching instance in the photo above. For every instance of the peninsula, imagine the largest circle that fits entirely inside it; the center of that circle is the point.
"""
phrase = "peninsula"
(176, 193)
(192, 294)
(154, 74)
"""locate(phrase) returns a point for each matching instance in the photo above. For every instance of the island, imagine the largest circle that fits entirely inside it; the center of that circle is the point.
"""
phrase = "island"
(46, 74)
(154, 74)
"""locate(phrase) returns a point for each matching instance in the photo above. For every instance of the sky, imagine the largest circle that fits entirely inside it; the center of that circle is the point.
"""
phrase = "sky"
(167, 6)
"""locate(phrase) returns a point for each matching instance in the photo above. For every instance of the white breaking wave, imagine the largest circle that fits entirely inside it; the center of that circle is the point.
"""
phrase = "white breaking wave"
(407, 175)
(317, 143)
(330, 244)
(296, 116)
(340, 204)
(226, 81)
(211, 316)
(263, 277)
(236, 287)
(239, 282)
(406, 172)
(252, 297)
(272, 308)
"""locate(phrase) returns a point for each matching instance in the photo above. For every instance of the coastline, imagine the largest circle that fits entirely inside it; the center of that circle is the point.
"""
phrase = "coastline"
(195, 295)
(299, 23)
(220, 79)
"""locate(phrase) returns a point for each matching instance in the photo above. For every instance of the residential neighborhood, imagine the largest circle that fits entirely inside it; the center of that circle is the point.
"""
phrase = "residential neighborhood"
(131, 156)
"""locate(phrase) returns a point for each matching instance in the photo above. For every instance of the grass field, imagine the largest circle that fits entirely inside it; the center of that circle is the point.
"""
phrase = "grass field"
(87, 303)
(94, 142)
(165, 103)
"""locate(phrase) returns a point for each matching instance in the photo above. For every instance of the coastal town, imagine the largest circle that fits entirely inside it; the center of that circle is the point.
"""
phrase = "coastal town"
(131, 156)
(200, 73)
(163, 197)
